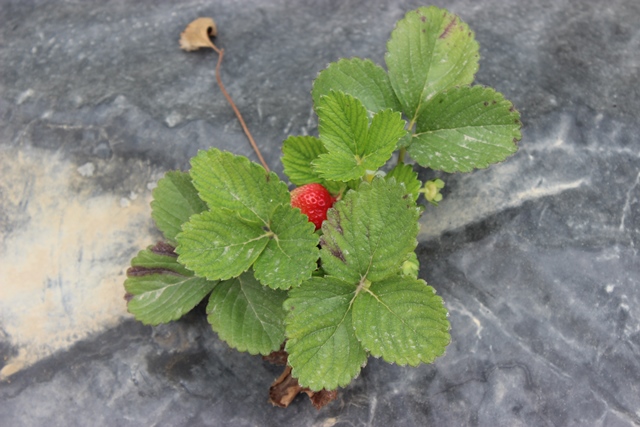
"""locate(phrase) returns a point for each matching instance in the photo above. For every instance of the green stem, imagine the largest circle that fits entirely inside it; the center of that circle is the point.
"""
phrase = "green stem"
(401, 154)
(403, 150)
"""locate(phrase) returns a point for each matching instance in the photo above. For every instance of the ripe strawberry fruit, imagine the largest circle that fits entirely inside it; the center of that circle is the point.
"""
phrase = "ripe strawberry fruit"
(314, 201)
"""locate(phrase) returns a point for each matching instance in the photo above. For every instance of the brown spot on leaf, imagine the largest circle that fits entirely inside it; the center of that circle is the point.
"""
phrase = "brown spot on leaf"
(128, 297)
(423, 18)
(286, 388)
(486, 103)
(162, 248)
(138, 271)
(336, 252)
(336, 222)
(448, 28)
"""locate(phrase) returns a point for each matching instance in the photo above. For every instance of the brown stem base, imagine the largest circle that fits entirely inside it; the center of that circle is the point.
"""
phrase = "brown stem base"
(286, 388)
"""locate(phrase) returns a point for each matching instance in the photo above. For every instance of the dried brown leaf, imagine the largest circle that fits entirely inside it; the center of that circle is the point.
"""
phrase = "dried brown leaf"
(278, 357)
(286, 388)
(197, 34)
(321, 398)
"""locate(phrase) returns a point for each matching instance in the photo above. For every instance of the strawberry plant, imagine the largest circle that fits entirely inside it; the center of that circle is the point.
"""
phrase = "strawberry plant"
(326, 275)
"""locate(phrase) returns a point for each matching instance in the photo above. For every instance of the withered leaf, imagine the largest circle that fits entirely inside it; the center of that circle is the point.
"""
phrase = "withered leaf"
(278, 357)
(321, 398)
(286, 388)
(197, 34)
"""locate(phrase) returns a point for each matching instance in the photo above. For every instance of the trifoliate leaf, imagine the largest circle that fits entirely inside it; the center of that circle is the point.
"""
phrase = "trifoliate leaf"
(359, 78)
(429, 51)
(465, 128)
(405, 174)
(402, 320)
(353, 147)
(369, 232)
(159, 289)
(291, 254)
(248, 208)
(322, 346)
(219, 244)
(297, 154)
(246, 315)
(175, 199)
(224, 180)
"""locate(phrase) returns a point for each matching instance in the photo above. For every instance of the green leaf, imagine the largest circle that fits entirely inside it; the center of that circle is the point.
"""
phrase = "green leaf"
(298, 153)
(246, 315)
(219, 244)
(429, 51)
(402, 320)
(359, 78)
(175, 199)
(322, 346)
(159, 289)
(291, 255)
(465, 128)
(405, 174)
(369, 232)
(225, 180)
(353, 147)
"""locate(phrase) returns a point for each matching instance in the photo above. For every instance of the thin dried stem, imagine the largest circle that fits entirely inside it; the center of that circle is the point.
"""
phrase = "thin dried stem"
(220, 53)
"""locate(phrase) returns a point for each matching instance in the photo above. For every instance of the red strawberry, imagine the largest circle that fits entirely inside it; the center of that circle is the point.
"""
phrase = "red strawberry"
(314, 201)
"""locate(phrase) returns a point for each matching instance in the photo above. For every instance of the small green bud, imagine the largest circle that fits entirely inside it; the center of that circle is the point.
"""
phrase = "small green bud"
(431, 191)
(411, 266)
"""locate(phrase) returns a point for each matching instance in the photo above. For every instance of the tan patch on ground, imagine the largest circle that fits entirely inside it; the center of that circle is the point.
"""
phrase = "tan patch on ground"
(64, 246)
